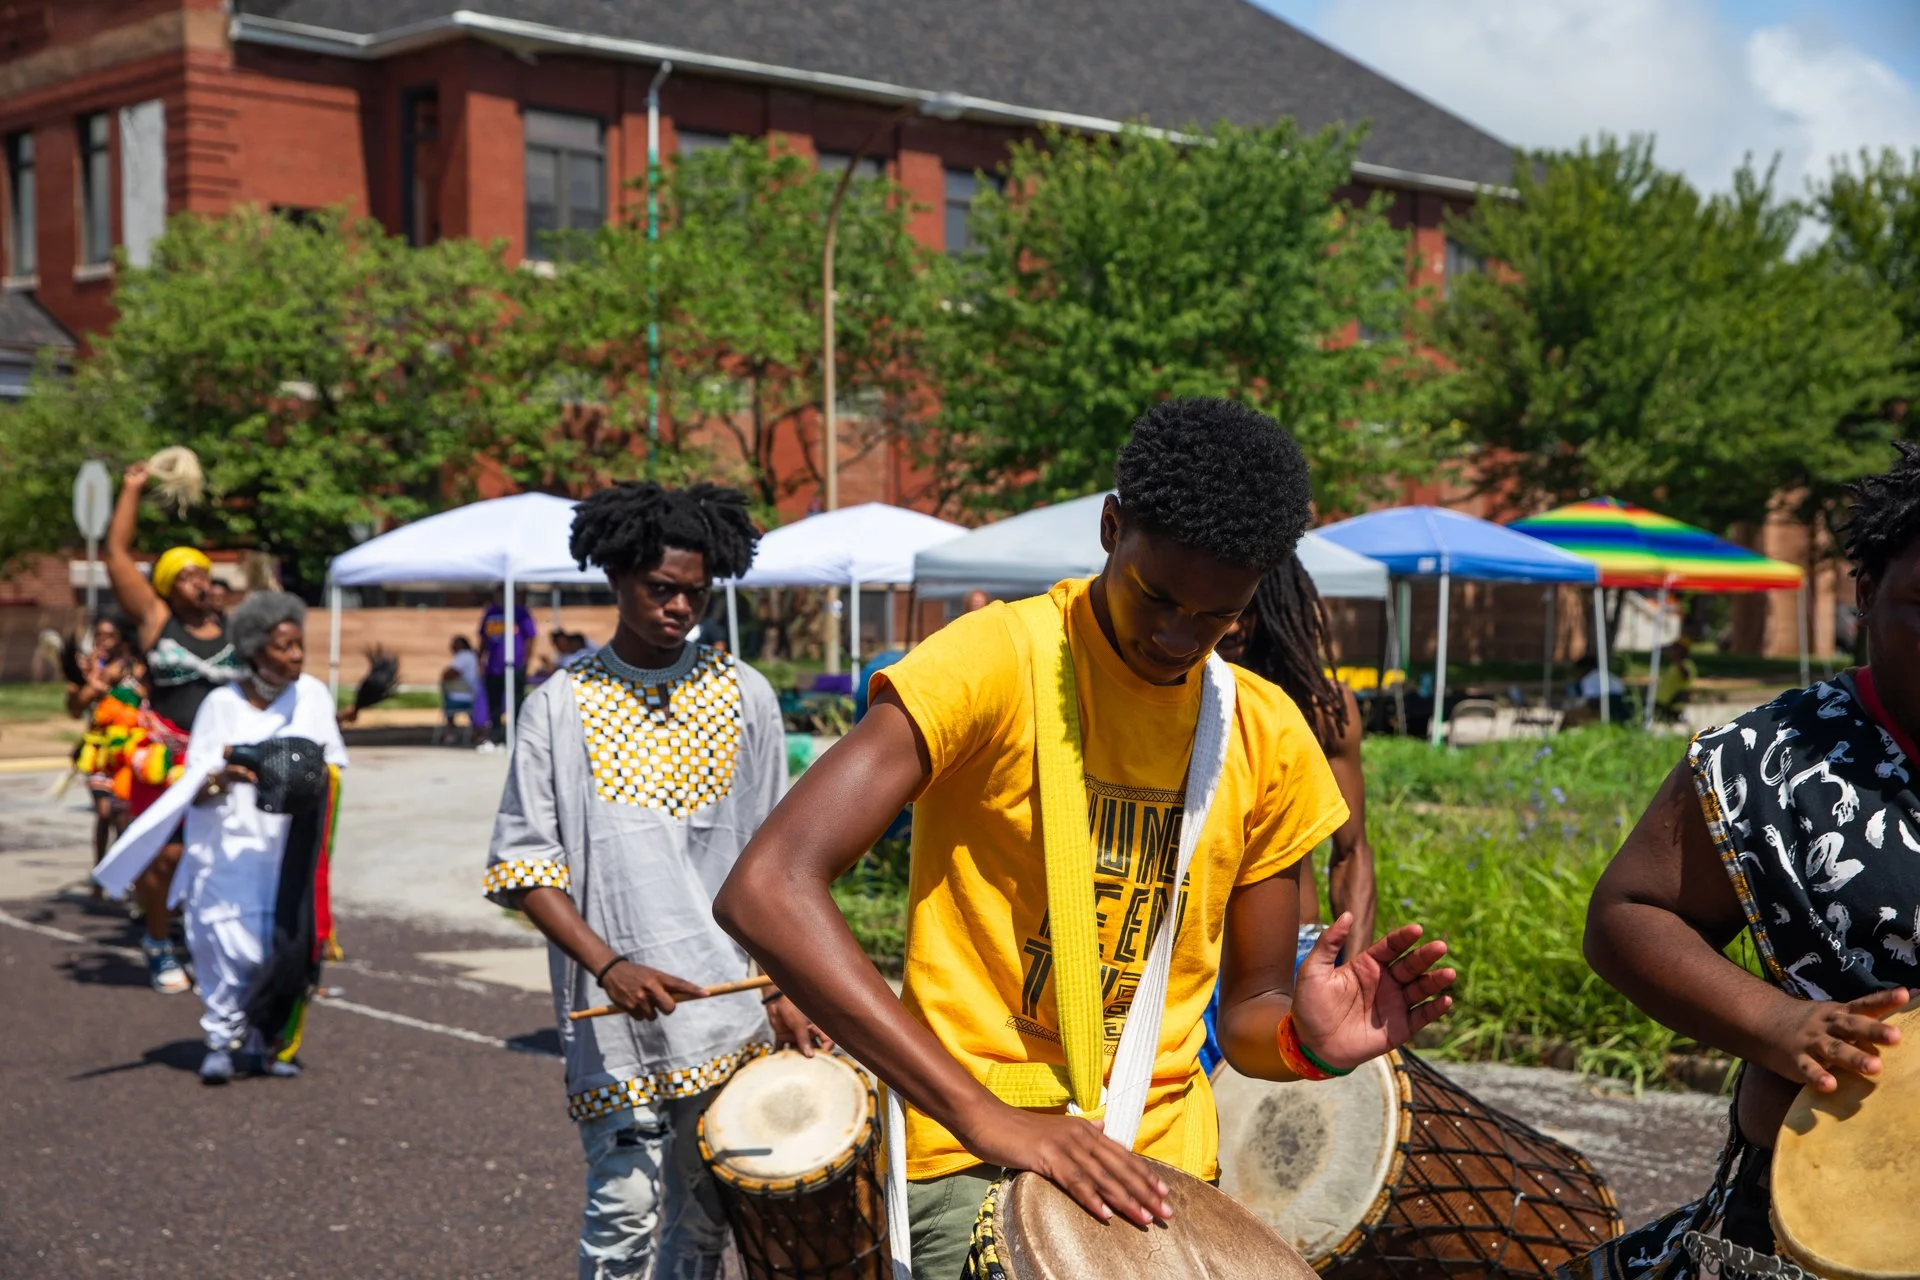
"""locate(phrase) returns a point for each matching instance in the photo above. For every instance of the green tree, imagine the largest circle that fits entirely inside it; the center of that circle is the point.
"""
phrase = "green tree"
(1638, 341)
(1118, 271)
(326, 374)
(1872, 220)
(734, 281)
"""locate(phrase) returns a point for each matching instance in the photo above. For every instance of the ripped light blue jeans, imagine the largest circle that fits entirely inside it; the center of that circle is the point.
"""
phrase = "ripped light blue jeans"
(648, 1195)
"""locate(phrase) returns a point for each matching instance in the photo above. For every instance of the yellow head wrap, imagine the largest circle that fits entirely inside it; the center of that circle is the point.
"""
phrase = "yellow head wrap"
(170, 564)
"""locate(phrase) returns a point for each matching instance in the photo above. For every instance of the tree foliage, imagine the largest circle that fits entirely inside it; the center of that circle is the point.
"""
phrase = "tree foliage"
(1117, 271)
(734, 283)
(1872, 220)
(326, 374)
(1639, 341)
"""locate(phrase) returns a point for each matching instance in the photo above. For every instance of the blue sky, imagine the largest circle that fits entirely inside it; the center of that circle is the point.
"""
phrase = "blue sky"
(1715, 80)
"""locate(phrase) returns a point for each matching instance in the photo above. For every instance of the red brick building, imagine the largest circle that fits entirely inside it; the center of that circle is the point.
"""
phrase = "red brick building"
(499, 118)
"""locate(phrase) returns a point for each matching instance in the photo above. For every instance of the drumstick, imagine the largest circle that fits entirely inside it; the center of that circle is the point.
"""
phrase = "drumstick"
(755, 983)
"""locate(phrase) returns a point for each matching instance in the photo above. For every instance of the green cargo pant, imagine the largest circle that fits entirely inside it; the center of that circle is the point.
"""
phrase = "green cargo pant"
(940, 1215)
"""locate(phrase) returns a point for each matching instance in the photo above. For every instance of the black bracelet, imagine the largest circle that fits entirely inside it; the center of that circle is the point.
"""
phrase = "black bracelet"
(606, 969)
(771, 996)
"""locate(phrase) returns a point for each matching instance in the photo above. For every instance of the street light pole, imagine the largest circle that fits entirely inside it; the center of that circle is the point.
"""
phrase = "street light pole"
(944, 106)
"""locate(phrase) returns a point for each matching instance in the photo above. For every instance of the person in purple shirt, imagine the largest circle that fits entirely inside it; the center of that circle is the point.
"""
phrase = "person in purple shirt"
(493, 659)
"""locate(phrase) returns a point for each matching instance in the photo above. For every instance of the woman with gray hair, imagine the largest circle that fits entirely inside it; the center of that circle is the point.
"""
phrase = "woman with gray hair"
(260, 787)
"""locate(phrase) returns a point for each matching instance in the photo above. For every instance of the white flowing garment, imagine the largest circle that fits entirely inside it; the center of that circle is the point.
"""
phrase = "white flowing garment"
(230, 871)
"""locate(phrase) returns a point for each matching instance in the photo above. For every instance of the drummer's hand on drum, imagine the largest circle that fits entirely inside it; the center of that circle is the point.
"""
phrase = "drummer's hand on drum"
(793, 1029)
(1814, 1039)
(646, 993)
(1375, 1002)
(1102, 1176)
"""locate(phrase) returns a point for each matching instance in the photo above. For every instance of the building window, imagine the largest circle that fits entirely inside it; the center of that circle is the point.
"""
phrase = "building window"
(690, 141)
(23, 258)
(964, 187)
(836, 162)
(566, 180)
(419, 165)
(1461, 262)
(96, 189)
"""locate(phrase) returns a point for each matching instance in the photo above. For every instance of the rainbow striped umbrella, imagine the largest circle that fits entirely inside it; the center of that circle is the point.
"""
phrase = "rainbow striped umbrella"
(1637, 548)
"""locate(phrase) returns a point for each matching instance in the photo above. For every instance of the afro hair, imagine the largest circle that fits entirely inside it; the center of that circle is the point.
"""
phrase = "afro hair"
(1219, 476)
(630, 526)
(1886, 513)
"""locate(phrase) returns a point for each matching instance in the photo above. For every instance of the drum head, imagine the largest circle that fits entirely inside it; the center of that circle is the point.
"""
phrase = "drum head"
(785, 1116)
(1044, 1235)
(1840, 1166)
(1309, 1158)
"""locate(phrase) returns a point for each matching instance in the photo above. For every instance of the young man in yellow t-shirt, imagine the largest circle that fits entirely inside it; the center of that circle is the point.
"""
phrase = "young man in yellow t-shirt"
(1211, 496)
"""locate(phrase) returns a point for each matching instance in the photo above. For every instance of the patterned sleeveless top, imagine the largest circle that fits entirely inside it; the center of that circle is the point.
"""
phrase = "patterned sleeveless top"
(182, 669)
(1812, 808)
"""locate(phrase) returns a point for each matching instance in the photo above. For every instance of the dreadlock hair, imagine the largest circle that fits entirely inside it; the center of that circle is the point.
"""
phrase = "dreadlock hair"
(1216, 475)
(1292, 646)
(1886, 513)
(631, 525)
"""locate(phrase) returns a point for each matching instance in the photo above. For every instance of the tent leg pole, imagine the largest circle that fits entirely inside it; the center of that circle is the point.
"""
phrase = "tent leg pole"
(1800, 620)
(1546, 651)
(1600, 653)
(333, 641)
(853, 628)
(1436, 722)
(1403, 651)
(511, 622)
(554, 600)
(1659, 642)
(733, 623)
(1397, 659)
(887, 635)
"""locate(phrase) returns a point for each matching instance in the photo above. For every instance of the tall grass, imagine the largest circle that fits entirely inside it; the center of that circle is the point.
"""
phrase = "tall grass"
(1496, 849)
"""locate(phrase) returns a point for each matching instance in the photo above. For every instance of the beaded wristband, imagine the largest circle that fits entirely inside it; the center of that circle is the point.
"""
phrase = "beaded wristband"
(1301, 1060)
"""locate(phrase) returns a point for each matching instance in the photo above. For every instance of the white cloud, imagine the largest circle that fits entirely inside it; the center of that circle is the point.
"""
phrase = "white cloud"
(1545, 73)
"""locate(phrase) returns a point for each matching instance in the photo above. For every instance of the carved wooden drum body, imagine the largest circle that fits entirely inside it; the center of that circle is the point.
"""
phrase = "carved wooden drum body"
(1395, 1171)
(793, 1143)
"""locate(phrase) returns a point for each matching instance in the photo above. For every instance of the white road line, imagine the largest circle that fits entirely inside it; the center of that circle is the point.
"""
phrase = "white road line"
(347, 1006)
(438, 1028)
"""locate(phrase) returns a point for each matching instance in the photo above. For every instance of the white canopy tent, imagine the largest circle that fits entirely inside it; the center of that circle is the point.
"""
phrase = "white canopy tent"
(1026, 554)
(873, 544)
(506, 542)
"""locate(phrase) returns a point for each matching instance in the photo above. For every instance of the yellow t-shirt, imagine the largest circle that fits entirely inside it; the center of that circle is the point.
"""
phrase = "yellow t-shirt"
(978, 969)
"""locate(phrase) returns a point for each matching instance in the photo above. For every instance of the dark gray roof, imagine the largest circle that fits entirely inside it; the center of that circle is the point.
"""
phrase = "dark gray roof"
(1172, 62)
(25, 325)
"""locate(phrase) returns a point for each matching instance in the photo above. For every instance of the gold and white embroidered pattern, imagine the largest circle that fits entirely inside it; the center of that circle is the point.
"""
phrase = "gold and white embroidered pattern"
(671, 746)
(623, 1094)
(526, 873)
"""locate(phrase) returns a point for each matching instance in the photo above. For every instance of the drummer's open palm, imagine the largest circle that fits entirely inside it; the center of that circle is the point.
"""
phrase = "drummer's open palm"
(1348, 1014)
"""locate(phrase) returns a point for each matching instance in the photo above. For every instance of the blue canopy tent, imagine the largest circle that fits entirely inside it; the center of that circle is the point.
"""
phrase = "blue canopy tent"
(1433, 542)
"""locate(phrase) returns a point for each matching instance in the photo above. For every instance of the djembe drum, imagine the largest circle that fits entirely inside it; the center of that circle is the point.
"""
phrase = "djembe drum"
(1029, 1229)
(1395, 1171)
(793, 1143)
(1839, 1155)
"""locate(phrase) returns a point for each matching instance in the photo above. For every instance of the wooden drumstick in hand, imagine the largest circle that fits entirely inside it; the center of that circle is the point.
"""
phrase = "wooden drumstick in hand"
(757, 982)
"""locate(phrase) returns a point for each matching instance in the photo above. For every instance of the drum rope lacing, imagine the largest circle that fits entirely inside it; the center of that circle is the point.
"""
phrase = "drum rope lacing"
(1732, 1261)
(1067, 843)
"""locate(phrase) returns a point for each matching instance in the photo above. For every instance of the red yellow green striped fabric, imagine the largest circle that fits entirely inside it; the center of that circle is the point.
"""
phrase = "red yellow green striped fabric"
(1637, 548)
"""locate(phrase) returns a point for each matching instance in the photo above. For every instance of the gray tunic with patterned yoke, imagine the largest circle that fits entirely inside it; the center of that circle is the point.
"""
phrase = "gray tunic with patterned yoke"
(635, 791)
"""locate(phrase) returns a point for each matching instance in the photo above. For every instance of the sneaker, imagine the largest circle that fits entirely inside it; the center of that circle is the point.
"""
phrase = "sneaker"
(163, 968)
(216, 1067)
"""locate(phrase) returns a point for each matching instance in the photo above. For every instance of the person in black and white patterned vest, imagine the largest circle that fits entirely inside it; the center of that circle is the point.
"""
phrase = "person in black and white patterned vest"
(1799, 823)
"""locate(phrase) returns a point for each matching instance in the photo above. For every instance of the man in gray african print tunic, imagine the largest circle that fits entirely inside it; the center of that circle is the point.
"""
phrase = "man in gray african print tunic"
(634, 791)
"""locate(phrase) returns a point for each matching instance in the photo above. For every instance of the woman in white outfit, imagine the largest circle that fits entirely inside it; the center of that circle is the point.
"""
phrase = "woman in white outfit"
(230, 875)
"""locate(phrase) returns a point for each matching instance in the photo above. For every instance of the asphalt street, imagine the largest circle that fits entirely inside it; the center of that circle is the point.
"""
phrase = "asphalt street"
(428, 1136)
